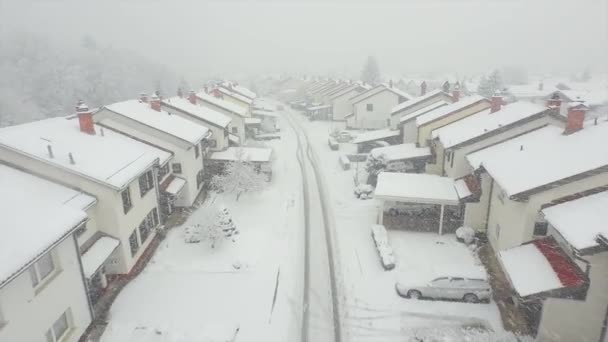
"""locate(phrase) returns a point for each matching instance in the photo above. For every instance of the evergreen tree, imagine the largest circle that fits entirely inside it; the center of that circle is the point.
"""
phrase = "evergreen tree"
(226, 224)
(490, 84)
(371, 71)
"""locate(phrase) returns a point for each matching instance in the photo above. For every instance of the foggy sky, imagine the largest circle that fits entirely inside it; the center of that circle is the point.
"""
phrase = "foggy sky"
(238, 37)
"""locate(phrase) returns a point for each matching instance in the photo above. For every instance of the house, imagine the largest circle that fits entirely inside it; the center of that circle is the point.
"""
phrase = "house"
(236, 113)
(318, 112)
(533, 170)
(417, 103)
(144, 120)
(382, 137)
(215, 121)
(372, 108)
(529, 92)
(42, 293)
(239, 89)
(259, 157)
(579, 239)
(451, 143)
(229, 95)
(407, 123)
(340, 100)
(595, 100)
(122, 173)
(268, 120)
(327, 95)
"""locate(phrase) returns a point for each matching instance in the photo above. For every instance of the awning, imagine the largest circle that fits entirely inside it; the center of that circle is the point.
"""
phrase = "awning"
(462, 188)
(97, 254)
(539, 267)
(173, 185)
(416, 188)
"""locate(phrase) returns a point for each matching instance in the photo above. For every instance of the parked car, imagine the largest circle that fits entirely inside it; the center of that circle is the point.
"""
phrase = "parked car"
(470, 290)
(344, 136)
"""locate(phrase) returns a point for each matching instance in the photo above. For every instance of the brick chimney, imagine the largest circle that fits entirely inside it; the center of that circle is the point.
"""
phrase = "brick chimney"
(85, 118)
(155, 103)
(496, 102)
(217, 93)
(422, 88)
(143, 97)
(180, 93)
(554, 102)
(456, 92)
(192, 97)
(576, 117)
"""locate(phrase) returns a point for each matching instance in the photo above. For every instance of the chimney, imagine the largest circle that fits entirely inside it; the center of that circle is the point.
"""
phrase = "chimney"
(456, 92)
(192, 97)
(390, 83)
(496, 102)
(576, 117)
(180, 93)
(155, 103)
(217, 93)
(85, 118)
(422, 88)
(143, 97)
(554, 102)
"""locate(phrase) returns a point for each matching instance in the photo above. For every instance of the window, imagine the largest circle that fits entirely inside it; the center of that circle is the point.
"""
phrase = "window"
(212, 143)
(235, 130)
(144, 230)
(59, 329)
(540, 228)
(126, 200)
(199, 179)
(146, 182)
(163, 171)
(451, 153)
(133, 243)
(177, 168)
(370, 107)
(42, 269)
(197, 152)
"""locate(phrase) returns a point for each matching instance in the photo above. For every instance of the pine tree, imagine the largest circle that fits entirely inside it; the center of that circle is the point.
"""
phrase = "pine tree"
(371, 71)
(490, 84)
(226, 224)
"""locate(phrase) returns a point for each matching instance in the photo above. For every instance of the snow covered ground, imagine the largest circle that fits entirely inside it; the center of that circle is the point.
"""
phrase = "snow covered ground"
(371, 309)
(190, 292)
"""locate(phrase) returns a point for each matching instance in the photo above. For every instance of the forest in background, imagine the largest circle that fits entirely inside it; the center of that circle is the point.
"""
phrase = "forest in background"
(42, 78)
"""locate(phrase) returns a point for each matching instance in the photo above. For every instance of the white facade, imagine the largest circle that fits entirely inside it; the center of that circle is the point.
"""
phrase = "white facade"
(27, 312)
(184, 153)
(373, 112)
(237, 123)
(341, 105)
(109, 214)
(418, 105)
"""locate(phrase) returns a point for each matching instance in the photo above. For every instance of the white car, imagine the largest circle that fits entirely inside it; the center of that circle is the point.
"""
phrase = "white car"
(470, 290)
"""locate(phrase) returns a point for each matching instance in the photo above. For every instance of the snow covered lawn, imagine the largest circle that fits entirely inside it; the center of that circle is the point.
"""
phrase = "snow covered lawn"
(191, 292)
(371, 308)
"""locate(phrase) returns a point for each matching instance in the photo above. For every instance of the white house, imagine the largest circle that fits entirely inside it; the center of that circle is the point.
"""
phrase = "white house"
(217, 122)
(536, 169)
(340, 101)
(229, 95)
(417, 103)
(42, 289)
(372, 108)
(237, 88)
(182, 181)
(119, 171)
(236, 113)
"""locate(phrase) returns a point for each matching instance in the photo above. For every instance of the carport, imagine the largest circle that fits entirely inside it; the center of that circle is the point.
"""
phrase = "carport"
(416, 189)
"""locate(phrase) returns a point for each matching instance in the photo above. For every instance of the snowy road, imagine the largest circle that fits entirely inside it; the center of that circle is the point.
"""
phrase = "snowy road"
(321, 320)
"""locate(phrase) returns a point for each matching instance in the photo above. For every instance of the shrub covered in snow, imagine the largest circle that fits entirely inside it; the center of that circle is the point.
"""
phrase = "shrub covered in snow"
(364, 191)
(465, 234)
(463, 334)
(240, 176)
(385, 251)
(192, 233)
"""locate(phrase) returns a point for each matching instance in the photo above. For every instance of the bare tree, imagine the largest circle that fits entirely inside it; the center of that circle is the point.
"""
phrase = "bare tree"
(238, 177)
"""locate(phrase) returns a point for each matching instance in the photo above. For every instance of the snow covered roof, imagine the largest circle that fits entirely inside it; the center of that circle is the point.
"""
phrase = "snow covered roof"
(253, 121)
(228, 106)
(398, 108)
(204, 113)
(97, 254)
(423, 110)
(242, 90)
(539, 266)
(485, 122)
(581, 221)
(36, 214)
(236, 95)
(106, 157)
(254, 154)
(526, 91)
(266, 104)
(462, 189)
(417, 188)
(401, 152)
(542, 157)
(378, 89)
(357, 86)
(318, 107)
(449, 109)
(375, 135)
(591, 98)
(163, 121)
(174, 185)
(264, 113)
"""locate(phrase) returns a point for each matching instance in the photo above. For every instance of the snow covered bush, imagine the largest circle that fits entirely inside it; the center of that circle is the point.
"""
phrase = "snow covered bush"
(385, 251)
(238, 177)
(364, 191)
(375, 164)
(464, 334)
(192, 233)
(465, 234)
(226, 224)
